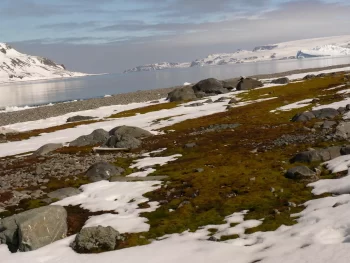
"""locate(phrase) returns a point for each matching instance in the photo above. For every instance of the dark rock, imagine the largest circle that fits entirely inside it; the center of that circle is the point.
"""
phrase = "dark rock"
(300, 172)
(283, 80)
(222, 99)
(328, 124)
(190, 145)
(123, 141)
(103, 171)
(342, 110)
(310, 76)
(34, 229)
(303, 117)
(182, 94)
(326, 113)
(97, 137)
(248, 84)
(96, 240)
(233, 101)
(197, 104)
(47, 148)
(135, 132)
(208, 101)
(63, 193)
(210, 86)
(80, 118)
(321, 155)
(345, 150)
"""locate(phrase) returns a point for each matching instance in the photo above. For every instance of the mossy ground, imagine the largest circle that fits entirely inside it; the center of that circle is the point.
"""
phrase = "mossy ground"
(144, 110)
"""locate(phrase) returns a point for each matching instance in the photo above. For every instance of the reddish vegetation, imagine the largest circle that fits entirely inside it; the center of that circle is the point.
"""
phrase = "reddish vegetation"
(5, 196)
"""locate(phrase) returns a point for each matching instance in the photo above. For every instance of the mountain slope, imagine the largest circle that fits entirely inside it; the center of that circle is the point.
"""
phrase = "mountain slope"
(15, 66)
(316, 47)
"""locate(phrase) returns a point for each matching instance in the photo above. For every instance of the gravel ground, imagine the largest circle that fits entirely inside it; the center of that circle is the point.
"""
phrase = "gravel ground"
(58, 109)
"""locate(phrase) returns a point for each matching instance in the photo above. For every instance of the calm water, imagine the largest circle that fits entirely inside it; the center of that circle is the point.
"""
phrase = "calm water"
(43, 92)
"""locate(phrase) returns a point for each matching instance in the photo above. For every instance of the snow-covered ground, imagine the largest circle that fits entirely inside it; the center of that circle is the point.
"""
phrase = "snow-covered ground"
(15, 66)
(315, 47)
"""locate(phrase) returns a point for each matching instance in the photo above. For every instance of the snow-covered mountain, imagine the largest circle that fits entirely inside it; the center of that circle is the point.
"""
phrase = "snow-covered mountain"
(15, 66)
(315, 47)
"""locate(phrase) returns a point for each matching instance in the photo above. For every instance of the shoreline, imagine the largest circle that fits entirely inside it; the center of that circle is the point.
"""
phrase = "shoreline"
(61, 108)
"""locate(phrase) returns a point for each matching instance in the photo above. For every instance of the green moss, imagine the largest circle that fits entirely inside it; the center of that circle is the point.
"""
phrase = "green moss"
(144, 110)
(225, 238)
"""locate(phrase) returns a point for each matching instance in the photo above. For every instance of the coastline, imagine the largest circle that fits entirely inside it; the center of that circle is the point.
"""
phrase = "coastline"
(47, 111)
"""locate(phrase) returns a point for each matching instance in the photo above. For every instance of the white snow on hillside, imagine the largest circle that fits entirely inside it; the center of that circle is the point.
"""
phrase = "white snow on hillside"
(15, 66)
(315, 47)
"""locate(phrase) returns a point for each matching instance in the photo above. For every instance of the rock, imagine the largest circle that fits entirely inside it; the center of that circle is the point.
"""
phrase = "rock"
(328, 124)
(303, 117)
(248, 84)
(210, 87)
(97, 137)
(47, 148)
(222, 99)
(79, 118)
(103, 171)
(342, 110)
(309, 76)
(96, 239)
(342, 131)
(135, 132)
(345, 150)
(197, 104)
(63, 193)
(190, 145)
(283, 80)
(326, 113)
(199, 170)
(182, 94)
(123, 141)
(321, 155)
(233, 101)
(208, 101)
(300, 172)
(34, 229)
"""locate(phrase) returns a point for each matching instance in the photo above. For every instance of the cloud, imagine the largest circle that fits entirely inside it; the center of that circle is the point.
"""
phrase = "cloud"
(70, 25)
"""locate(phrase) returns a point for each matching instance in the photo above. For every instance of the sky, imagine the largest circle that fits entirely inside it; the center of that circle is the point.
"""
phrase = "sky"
(98, 36)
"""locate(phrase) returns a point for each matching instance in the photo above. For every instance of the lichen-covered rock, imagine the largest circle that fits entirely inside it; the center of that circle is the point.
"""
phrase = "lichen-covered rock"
(123, 141)
(96, 240)
(97, 137)
(132, 131)
(248, 84)
(182, 94)
(303, 117)
(47, 148)
(210, 86)
(301, 172)
(34, 229)
(103, 171)
(283, 80)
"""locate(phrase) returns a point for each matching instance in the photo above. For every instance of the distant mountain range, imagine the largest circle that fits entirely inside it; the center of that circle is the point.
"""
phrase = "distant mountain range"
(316, 47)
(15, 66)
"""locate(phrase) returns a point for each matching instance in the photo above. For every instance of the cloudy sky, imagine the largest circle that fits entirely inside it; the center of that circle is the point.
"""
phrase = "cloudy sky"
(112, 35)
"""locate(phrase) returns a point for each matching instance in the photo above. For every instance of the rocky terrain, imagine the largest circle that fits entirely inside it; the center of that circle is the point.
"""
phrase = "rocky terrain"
(215, 149)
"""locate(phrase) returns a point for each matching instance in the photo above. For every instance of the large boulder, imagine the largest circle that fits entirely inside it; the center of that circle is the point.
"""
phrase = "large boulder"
(182, 94)
(303, 117)
(210, 87)
(103, 171)
(248, 84)
(342, 131)
(301, 173)
(319, 155)
(34, 229)
(123, 141)
(47, 148)
(135, 132)
(283, 80)
(63, 193)
(79, 118)
(97, 137)
(96, 240)
(326, 113)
